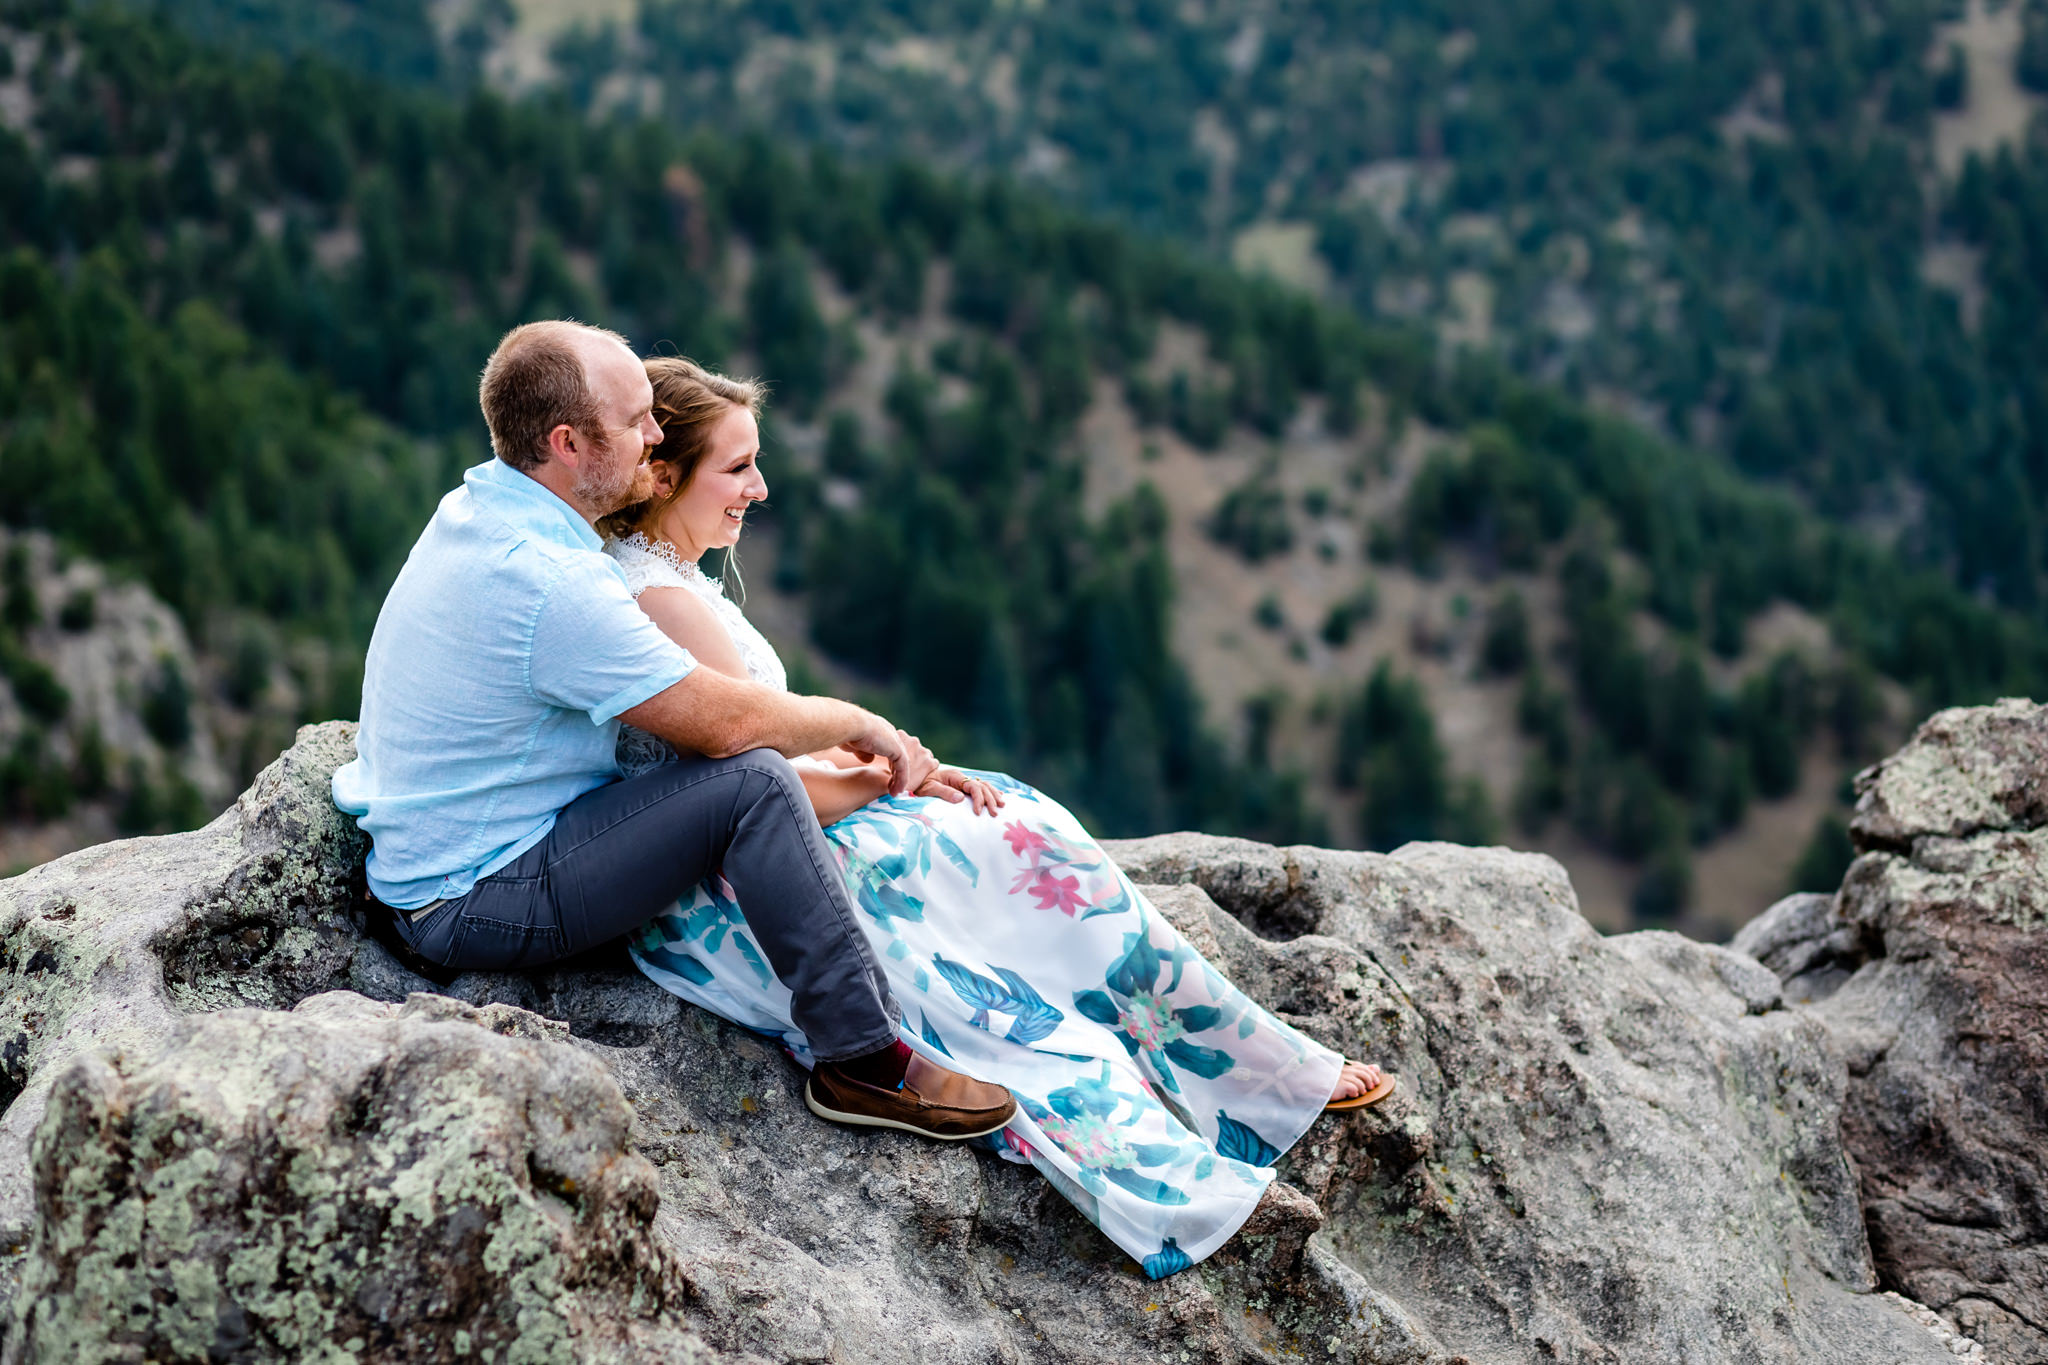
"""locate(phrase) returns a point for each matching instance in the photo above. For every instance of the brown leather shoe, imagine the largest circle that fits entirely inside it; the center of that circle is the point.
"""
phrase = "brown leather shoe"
(933, 1102)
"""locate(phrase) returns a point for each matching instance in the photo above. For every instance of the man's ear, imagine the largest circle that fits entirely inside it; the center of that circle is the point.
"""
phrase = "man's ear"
(566, 444)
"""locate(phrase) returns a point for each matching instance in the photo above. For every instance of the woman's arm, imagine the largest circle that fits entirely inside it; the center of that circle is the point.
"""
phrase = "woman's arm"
(688, 620)
(842, 791)
(840, 757)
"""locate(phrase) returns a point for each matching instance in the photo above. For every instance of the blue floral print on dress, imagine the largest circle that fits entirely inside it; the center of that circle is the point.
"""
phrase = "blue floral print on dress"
(1155, 1101)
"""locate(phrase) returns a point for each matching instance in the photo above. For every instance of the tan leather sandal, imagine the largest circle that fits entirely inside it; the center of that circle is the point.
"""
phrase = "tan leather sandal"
(1372, 1096)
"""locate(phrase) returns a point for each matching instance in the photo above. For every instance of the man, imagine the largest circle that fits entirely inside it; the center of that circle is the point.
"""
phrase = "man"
(504, 658)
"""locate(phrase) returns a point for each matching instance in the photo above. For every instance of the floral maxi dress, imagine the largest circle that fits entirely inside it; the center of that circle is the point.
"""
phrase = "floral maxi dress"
(1151, 1092)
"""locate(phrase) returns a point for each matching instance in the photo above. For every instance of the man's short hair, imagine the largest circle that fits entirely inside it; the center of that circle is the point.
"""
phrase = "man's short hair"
(534, 382)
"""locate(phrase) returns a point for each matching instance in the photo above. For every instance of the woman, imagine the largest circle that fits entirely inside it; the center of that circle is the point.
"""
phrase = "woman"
(1151, 1092)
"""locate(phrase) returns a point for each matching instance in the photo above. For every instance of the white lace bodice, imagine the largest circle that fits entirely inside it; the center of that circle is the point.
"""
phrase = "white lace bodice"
(655, 564)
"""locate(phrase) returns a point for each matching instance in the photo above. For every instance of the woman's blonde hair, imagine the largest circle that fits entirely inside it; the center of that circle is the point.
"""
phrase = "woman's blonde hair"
(689, 401)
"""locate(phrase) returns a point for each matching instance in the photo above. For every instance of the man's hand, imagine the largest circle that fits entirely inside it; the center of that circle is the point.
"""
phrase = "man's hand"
(875, 739)
(916, 766)
(910, 763)
(718, 715)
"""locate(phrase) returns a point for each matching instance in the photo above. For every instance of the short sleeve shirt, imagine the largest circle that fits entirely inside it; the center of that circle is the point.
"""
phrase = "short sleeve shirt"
(502, 659)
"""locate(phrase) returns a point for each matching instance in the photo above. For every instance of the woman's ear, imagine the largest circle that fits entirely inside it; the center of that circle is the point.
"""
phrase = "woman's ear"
(664, 477)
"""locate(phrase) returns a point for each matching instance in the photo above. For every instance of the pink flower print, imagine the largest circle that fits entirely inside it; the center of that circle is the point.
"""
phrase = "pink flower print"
(1022, 840)
(1058, 893)
(1150, 1022)
(1089, 1141)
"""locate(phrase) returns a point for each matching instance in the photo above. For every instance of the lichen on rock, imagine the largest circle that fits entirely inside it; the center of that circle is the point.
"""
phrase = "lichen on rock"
(112, 945)
(352, 1180)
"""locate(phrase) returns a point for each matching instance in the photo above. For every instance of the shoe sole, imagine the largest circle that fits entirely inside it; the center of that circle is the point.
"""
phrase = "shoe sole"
(871, 1121)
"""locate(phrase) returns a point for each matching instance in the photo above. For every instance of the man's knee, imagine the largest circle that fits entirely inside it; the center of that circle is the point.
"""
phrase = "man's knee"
(773, 767)
(771, 788)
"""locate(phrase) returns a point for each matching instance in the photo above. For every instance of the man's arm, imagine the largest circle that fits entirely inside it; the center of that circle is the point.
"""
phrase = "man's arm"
(716, 715)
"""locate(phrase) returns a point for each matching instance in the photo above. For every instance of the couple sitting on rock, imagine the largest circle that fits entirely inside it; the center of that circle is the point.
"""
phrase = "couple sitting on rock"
(569, 734)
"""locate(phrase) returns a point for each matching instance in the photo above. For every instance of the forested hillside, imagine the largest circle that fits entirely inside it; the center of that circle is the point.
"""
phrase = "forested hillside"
(1806, 233)
(244, 301)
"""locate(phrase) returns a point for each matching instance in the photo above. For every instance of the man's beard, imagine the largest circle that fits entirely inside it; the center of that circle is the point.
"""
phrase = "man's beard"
(610, 481)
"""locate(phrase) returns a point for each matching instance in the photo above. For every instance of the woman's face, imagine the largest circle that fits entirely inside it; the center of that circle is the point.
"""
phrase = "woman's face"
(713, 508)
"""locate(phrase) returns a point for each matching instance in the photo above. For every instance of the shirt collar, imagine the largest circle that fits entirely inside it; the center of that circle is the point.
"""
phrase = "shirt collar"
(526, 503)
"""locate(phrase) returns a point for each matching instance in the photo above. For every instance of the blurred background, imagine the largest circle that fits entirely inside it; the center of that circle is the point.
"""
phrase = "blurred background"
(1593, 427)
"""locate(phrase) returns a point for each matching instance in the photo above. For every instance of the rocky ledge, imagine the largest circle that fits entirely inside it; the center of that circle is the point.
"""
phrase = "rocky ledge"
(1930, 971)
(236, 1130)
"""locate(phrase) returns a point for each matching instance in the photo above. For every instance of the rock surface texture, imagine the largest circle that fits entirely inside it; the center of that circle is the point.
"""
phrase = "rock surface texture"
(352, 1178)
(1933, 968)
(1618, 1149)
(237, 1130)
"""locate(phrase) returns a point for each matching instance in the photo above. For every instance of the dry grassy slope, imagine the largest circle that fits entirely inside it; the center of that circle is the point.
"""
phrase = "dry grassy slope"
(1998, 108)
(1418, 622)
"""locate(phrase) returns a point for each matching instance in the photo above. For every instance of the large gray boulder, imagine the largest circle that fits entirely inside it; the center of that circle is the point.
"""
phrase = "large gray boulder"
(149, 1011)
(230, 1109)
(1807, 943)
(112, 946)
(430, 1182)
(1612, 1149)
(1936, 954)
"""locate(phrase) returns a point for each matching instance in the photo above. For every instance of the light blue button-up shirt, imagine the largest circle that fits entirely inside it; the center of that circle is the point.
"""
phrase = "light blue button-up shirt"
(491, 694)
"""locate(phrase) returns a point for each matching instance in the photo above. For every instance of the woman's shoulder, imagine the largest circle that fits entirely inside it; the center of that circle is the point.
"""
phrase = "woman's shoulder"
(632, 549)
(647, 566)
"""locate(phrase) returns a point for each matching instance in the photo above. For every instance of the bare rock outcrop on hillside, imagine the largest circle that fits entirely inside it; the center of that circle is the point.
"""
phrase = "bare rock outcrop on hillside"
(1936, 954)
(231, 1109)
(107, 643)
(99, 689)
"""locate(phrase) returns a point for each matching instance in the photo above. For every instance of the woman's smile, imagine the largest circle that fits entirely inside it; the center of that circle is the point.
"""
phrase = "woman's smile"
(726, 483)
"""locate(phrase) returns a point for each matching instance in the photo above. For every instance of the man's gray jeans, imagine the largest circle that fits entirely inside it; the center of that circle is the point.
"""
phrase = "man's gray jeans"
(621, 853)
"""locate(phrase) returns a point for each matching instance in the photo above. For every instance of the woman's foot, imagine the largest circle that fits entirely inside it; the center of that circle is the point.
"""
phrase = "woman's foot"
(1358, 1085)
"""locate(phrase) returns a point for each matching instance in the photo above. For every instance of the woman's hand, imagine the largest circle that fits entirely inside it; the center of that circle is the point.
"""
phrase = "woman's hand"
(950, 784)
